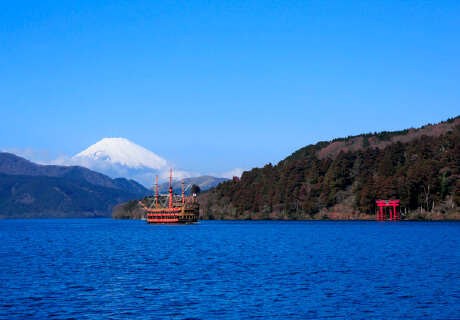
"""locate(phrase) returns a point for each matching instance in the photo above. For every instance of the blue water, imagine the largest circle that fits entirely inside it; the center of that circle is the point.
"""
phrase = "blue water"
(120, 269)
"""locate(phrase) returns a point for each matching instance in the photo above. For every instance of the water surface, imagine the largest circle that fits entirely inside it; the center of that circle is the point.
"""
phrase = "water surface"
(119, 269)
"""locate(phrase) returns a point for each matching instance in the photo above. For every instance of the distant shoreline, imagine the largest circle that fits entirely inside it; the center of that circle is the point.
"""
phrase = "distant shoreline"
(278, 220)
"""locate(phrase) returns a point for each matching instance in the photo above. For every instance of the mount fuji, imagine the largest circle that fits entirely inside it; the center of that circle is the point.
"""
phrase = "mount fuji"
(119, 157)
(123, 152)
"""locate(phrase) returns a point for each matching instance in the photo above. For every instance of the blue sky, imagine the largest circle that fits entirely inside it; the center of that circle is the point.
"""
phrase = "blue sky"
(214, 86)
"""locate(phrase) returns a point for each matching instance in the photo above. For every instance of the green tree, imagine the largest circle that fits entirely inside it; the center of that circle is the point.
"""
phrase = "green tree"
(195, 189)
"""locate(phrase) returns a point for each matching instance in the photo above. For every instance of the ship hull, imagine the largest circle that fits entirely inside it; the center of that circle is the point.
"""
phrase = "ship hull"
(171, 220)
(185, 214)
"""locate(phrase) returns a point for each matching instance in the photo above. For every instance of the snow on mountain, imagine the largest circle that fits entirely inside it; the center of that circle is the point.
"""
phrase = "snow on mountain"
(119, 157)
(123, 152)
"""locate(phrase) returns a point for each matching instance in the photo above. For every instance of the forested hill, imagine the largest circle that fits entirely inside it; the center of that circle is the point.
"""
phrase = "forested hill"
(29, 190)
(345, 177)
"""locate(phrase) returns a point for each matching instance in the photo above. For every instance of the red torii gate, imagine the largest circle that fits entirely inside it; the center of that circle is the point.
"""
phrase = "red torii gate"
(387, 203)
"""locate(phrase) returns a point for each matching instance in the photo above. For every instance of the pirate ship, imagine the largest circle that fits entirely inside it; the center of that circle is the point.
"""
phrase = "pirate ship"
(171, 208)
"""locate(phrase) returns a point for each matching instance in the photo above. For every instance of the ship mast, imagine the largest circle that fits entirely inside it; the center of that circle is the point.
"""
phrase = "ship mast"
(170, 188)
(183, 191)
(156, 189)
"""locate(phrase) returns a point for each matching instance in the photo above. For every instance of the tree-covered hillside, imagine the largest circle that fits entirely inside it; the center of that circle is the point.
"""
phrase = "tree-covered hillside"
(419, 167)
(29, 190)
(56, 197)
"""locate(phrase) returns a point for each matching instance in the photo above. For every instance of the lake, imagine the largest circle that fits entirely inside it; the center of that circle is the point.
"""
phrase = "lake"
(126, 269)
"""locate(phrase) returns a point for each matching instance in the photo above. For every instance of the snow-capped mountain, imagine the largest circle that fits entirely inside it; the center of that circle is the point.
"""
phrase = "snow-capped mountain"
(123, 152)
(119, 157)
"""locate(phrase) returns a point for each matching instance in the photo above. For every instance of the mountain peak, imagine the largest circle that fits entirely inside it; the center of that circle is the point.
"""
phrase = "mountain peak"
(123, 152)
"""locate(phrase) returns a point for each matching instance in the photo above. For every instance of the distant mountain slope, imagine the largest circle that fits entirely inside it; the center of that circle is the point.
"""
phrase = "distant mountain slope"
(29, 190)
(131, 186)
(56, 197)
(14, 165)
(344, 177)
(204, 182)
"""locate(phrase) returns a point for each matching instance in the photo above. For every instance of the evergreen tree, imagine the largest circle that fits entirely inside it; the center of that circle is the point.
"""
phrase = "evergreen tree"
(195, 189)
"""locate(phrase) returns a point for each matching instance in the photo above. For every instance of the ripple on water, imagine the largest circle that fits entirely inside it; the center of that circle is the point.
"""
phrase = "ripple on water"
(244, 270)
